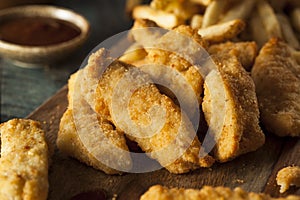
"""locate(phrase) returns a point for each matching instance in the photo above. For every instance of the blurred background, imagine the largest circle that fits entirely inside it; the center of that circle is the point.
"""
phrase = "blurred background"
(23, 90)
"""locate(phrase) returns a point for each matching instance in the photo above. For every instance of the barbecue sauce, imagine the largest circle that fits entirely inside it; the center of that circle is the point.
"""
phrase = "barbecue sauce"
(37, 31)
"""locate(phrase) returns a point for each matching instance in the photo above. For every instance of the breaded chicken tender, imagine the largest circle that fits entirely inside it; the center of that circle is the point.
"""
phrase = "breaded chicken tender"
(158, 192)
(245, 52)
(85, 134)
(149, 118)
(70, 143)
(287, 177)
(170, 64)
(24, 161)
(230, 107)
(276, 75)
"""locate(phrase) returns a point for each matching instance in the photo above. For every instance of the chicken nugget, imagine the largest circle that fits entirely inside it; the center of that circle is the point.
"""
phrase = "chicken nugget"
(245, 52)
(86, 135)
(151, 119)
(230, 107)
(288, 176)
(206, 193)
(168, 63)
(276, 77)
(24, 161)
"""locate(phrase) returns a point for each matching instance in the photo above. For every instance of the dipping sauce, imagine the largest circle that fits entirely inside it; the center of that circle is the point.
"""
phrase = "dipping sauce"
(37, 31)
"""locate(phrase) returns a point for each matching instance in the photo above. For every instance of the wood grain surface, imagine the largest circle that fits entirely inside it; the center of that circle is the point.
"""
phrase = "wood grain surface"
(254, 171)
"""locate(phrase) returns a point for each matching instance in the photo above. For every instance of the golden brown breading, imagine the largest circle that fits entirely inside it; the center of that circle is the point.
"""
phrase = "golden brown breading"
(158, 192)
(276, 77)
(24, 161)
(245, 52)
(288, 176)
(165, 62)
(71, 144)
(80, 118)
(230, 108)
(150, 118)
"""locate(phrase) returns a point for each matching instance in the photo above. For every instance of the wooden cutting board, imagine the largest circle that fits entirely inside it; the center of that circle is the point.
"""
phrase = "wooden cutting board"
(254, 171)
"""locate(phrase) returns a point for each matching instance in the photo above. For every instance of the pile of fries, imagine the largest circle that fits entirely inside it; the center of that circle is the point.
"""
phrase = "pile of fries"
(221, 20)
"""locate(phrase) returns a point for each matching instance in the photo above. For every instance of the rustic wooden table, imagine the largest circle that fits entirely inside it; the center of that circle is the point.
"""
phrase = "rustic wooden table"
(22, 90)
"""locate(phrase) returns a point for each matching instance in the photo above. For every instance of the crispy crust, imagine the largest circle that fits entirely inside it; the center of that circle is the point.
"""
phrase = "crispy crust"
(288, 176)
(165, 62)
(158, 192)
(245, 52)
(240, 132)
(69, 143)
(276, 77)
(82, 104)
(24, 161)
(142, 100)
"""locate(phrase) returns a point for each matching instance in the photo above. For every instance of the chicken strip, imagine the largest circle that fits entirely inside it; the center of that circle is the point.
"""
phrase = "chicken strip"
(150, 118)
(158, 192)
(230, 107)
(276, 75)
(85, 134)
(173, 65)
(245, 52)
(288, 176)
(24, 161)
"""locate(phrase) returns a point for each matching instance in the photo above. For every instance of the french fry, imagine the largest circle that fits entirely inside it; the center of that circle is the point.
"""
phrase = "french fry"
(295, 18)
(145, 33)
(212, 13)
(287, 31)
(182, 9)
(162, 18)
(133, 54)
(196, 21)
(222, 32)
(240, 11)
(269, 19)
(258, 30)
(202, 2)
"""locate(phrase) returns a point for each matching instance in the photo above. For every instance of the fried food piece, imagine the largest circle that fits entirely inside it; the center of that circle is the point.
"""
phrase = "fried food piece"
(158, 192)
(287, 31)
(150, 118)
(135, 55)
(288, 176)
(70, 143)
(295, 15)
(212, 12)
(202, 2)
(259, 35)
(221, 32)
(276, 77)
(166, 61)
(196, 21)
(146, 32)
(103, 148)
(269, 19)
(245, 52)
(241, 10)
(230, 106)
(162, 18)
(184, 10)
(24, 161)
